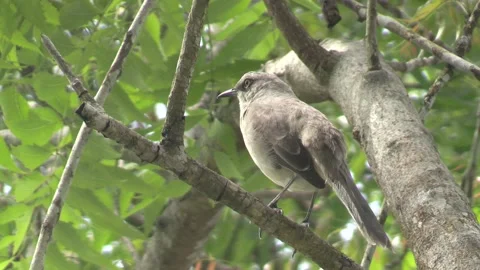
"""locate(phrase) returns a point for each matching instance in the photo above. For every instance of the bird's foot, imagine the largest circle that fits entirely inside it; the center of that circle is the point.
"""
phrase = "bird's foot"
(276, 209)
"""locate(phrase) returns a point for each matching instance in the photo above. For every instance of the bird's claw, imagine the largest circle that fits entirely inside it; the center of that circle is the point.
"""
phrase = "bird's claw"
(277, 210)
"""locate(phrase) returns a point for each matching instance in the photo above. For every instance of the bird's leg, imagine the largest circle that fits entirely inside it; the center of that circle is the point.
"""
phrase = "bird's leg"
(306, 220)
(273, 203)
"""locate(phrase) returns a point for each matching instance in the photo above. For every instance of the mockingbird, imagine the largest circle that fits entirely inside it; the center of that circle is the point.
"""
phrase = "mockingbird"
(298, 148)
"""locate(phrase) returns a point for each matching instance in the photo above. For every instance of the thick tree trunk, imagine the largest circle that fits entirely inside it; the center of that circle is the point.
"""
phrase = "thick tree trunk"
(433, 212)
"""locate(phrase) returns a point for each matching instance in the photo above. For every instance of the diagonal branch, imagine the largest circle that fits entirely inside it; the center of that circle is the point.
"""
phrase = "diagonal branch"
(53, 212)
(372, 48)
(462, 46)
(396, 27)
(218, 188)
(413, 63)
(175, 120)
(470, 174)
(398, 13)
(298, 39)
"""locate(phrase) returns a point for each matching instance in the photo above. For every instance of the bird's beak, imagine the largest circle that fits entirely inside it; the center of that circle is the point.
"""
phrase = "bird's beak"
(229, 93)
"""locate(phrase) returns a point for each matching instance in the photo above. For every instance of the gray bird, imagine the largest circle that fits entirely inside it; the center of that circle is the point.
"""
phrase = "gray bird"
(298, 148)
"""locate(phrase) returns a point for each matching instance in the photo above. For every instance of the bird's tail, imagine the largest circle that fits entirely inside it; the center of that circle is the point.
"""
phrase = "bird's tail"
(358, 207)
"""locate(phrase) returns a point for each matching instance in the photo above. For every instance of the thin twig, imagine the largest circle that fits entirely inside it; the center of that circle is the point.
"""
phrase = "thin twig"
(398, 13)
(470, 174)
(462, 46)
(370, 250)
(305, 47)
(175, 120)
(372, 48)
(413, 63)
(55, 208)
(399, 29)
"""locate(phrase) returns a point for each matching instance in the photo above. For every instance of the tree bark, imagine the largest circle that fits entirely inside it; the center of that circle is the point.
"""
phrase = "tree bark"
(433, 212)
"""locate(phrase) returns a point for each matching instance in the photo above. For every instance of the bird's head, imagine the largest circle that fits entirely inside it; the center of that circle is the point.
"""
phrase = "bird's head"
(254, 85)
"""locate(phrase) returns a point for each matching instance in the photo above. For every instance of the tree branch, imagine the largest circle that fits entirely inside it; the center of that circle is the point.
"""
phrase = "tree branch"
(373, 59)
(370, 250)
(470, 174)
(180, 232)
(298, 39)
(53, 212)
(439, 52)
(462, 46)
(175, 120)
(386, 4)
(413, 63)
(219, 189)
(435, 216)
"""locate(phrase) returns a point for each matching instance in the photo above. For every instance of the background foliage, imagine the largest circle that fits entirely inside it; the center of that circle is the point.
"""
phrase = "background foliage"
(38, 126)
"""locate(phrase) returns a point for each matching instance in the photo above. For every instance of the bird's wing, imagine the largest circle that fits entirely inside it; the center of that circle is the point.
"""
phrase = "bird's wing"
(293, 155)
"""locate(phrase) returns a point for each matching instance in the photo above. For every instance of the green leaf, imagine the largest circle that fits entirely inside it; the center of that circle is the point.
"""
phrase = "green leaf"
(6, 241)
(251, 15)
(243, 42)
(100, 214)
(222, 10)
(31, 156)
(26, 186)
(6, 159)
(56, 260)
(226, 166)
(6, 263)
(13, 212)
(69, 237)
(52, 89)
(76, 13)
(32, 12)
(172, 189)
(50, 12)
(24, 122)
(21, 225)
(99, 148)
(152, 27)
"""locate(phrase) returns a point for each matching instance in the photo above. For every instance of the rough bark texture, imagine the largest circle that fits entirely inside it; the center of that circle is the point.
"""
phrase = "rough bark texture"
(181, 230)
(433, 212)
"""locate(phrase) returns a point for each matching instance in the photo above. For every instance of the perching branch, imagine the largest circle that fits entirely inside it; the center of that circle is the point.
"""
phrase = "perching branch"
(372, 48)
(370, 250)
(470, 174)
(462, 46)
(175, 120)
(53, 212)
(413, 63)
(439, 52)
(219, 189)
(305, 46)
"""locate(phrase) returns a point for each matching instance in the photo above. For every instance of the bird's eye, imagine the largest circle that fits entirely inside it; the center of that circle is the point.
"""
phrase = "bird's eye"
(247, 83)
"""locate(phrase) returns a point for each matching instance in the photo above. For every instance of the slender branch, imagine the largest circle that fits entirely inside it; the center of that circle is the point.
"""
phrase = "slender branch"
(470, 174)
(439, 52)
(218, 188)
(372, 48)
(175, 120)
(398, 13)
(53, 212)
(370, 250)
(413, 63)
(462, 46)
(298, 39)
